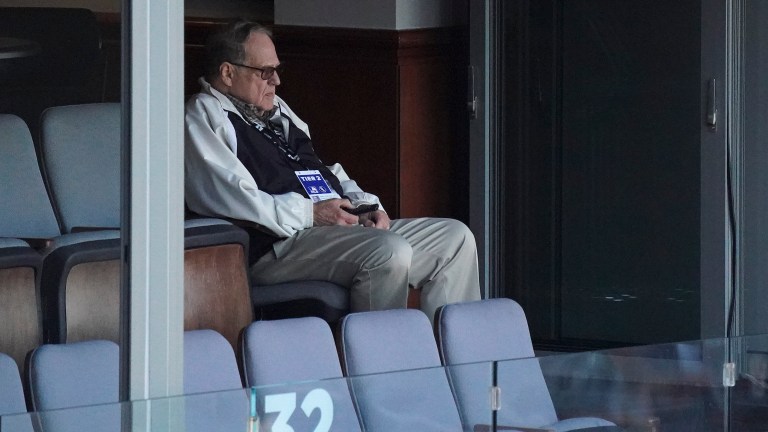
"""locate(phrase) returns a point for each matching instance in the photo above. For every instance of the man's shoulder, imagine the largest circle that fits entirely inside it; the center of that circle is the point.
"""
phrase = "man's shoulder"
(202, 99)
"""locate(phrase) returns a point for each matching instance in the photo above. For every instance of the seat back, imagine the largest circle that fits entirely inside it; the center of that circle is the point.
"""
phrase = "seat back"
(211, 378)
(209, 363)
(12, 398)
(81, 155)
(485, 330)
(382, 343)
(74, 374)
(496, 329)
(19, 301)
(82, 377)
(81, 146)
(26, 211)
(11, 391)
(302, 353)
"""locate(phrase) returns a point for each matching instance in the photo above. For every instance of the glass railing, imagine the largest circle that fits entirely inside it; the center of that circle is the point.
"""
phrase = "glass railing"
(708, 385)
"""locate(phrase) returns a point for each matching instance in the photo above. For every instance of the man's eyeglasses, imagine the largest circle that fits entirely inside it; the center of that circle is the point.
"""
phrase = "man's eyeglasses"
(265, 72)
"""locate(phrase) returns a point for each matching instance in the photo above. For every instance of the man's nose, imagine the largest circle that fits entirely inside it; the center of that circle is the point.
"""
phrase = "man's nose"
(275, 79)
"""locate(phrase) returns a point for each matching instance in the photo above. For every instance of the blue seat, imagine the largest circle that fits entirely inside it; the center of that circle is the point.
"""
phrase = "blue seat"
(83, 377)
(80, 145)
(12, 398)
(410, 390)
(295, 360)
(211, 384)
(490, 330)
(26, 211)
(209, 363)
(11, 391)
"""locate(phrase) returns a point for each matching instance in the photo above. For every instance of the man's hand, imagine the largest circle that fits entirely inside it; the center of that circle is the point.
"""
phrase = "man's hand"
(375, 219)
(330, 212)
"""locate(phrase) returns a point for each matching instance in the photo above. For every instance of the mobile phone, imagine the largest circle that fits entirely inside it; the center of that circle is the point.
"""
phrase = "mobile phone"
(361, 209)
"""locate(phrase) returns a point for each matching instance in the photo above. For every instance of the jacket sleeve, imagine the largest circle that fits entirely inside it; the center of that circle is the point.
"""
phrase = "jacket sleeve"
(217, 184)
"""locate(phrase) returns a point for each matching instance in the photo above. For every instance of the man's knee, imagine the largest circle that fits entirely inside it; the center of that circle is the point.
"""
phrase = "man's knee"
(458, 232)
(392, 251)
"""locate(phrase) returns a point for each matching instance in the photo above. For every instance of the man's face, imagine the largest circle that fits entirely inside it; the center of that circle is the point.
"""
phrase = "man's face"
(246, 84)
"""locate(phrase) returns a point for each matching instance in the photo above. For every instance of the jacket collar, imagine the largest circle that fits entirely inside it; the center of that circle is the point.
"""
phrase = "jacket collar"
(227, 104)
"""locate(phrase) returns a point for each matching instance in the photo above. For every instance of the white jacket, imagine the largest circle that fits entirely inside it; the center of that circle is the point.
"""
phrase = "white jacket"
(217, 184)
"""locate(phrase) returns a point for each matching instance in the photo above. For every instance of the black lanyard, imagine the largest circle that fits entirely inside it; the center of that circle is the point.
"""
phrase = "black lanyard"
(276, 137)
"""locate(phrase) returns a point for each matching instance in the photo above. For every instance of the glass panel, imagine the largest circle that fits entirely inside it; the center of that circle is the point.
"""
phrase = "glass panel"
(662, 387)
(755, 98)
(675, 387)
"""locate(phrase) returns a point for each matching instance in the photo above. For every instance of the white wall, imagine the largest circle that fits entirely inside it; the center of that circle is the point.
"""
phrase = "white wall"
(371, 14)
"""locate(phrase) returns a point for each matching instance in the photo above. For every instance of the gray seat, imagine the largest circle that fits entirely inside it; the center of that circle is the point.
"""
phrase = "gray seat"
(214, 395)
(209, 363)
(11, 391)
(12, 398)
(404, 387)
(80, 145)
(490, 330)
(81, 376)
(26, 211)
(297, 359)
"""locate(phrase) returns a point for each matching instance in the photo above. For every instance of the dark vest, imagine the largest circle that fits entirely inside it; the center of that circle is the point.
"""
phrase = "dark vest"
(274, 171)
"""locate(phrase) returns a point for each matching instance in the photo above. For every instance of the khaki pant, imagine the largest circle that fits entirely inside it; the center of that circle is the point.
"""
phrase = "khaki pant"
(439, 256)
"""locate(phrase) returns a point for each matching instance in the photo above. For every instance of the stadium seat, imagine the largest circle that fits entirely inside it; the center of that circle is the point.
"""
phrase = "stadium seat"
(12, 398)
(296, 359)
(26, 211)
(211, 381)
(11, 391)
(490, 330)
(410, 389)
(83, 377)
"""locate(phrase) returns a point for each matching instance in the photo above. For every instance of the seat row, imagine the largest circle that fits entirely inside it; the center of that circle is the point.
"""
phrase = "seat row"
(60, 242)
(395, 379)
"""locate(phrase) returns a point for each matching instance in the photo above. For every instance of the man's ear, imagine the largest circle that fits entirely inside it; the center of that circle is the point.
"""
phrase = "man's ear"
(226, 71)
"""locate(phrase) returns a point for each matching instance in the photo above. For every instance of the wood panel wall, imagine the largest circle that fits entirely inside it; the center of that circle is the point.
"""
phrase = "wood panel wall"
(388, 105)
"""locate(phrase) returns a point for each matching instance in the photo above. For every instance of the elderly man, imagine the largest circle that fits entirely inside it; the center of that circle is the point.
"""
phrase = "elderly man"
(250, 158)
